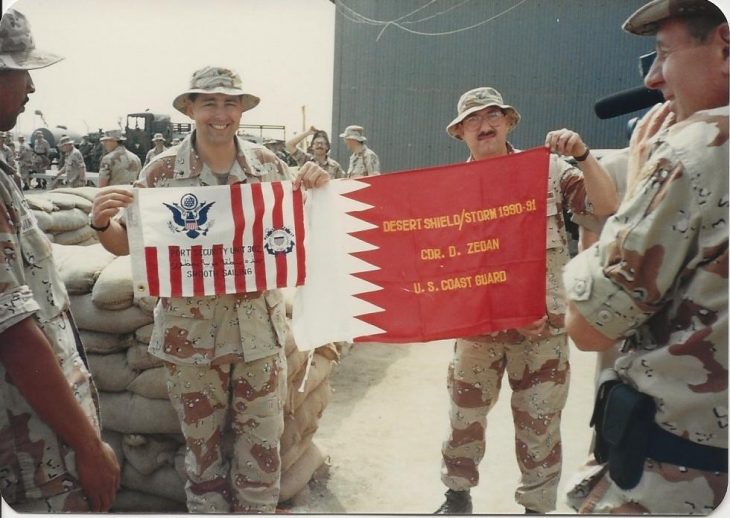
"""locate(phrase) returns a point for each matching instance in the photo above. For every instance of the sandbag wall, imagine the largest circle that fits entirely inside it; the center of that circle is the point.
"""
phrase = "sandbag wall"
(137, 417)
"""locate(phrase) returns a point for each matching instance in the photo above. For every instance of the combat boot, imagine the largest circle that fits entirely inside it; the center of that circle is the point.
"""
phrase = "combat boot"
(457, 502)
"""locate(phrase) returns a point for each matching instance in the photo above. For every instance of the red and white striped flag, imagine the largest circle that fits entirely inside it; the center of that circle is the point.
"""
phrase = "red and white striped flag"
(201, 241)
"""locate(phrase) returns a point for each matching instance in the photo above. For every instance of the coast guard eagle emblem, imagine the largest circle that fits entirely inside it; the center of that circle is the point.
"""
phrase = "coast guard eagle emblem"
(279, 241)
(190, 216)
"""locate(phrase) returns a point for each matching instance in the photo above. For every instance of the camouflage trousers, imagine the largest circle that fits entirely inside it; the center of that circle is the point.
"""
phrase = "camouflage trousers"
(663, 489)
(538, 373)
(232, 418)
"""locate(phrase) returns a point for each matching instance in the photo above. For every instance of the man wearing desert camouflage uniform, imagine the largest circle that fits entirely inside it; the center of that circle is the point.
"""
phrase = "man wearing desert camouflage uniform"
(24, 161)
(535, 357)
(224, 354)
(52, 458)
(158, 142)
(363, 160)
(73, 172)
(657, 281)
(119, 166)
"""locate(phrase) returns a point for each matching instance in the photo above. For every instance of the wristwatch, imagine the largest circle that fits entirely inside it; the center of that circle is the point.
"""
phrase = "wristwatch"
(98, 229)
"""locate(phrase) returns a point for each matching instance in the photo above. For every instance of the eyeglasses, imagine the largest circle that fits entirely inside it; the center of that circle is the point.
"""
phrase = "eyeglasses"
(474, 120)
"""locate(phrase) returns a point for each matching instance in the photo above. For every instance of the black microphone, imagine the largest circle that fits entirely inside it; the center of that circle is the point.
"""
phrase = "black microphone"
(627, 101)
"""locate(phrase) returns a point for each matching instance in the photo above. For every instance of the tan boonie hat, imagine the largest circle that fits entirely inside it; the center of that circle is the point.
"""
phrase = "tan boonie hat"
(646, 20)
(158, 136)
(475, 100)
(215, 80)
(65, 140)
(17, 48)
(114, 134)
(354, 133)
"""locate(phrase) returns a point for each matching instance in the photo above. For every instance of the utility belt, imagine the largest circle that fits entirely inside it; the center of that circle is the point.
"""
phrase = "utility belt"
(626, 435)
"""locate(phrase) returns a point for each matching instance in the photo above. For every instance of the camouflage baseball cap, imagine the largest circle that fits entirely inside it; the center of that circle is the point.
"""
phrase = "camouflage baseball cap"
(645, 21)
(17, 48)
(354, 133)
(215, 80)
(65, 140)
(475, 100)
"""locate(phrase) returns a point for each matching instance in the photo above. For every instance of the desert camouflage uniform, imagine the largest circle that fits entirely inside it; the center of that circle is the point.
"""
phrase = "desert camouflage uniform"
(152, 153)
(538, 372)
(659, 273)
(120, 166)
(363, 163)
(224, 357)
(37, 470)
(8, 155)
(25, 161)
(74, 168)
(41, 155)
(331, 166)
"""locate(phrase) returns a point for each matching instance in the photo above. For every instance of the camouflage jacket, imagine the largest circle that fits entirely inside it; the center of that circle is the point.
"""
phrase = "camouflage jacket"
(224, 328)
(7, 155)
(41, 147)
(25, 156)
(74, 168)
(34, 463)
(119, 167)
(152, 153)
(331, 166)
(363, 163)
(659, 276)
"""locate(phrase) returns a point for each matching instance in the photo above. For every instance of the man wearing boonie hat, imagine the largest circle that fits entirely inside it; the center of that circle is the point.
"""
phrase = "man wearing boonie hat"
(119, 166)
(535, 357)
(363, 160)
(41, 154)
(657, 282)
(318, 151)
(73, 172)
(227, 375)
(158, 141)
(52, 458)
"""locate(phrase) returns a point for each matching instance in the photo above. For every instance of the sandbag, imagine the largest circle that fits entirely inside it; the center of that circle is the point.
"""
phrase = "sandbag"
(89, 242)
(101, 343)
(151, 383)
(164, 482)
(111, 372)
(138, 358)
(157, 451)
(115, 441)
(297, 476)
(44, 220)
(311, 409)
(144, 334)
(68, 219)
(114, 289)
(291, 455)
(146, 303)
(64, 200)
(75, 237)
(87, 193)
(39, 202)
(80, 266)
(131, 413)
(90, 317)
(128, 501)
(318, 371)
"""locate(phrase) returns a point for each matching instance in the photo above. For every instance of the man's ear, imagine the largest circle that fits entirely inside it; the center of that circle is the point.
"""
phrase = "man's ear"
(189, 107)
(723, 33)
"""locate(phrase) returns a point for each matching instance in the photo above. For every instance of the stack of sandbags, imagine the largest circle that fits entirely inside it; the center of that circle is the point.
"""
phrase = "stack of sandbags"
(63, 214)
(137, 417)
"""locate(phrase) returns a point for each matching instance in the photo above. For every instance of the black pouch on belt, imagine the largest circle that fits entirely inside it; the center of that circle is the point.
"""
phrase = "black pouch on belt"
(627, 420)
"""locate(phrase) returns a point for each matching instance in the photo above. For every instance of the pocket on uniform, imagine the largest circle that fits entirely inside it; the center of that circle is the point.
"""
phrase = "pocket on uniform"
(188, 327)
(36, 246)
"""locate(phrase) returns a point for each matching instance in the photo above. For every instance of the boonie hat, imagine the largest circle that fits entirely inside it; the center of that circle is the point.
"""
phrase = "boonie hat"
(354, 133)
(17, 48)
(215, 80)
(475, 100)
(65, 140)
(646, 20)
(158, 136)
(114, 134)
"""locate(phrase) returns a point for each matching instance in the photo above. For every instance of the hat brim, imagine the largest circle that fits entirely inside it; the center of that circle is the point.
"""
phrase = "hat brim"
(450, 129)
(249, 101)
(120, 139)
(30, 60)
(351, 137)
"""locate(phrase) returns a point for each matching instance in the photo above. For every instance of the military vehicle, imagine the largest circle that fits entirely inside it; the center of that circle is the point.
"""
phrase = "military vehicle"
(141, 127)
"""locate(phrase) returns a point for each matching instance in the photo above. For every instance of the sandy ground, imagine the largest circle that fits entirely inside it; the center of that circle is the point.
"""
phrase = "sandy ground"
(383, 429)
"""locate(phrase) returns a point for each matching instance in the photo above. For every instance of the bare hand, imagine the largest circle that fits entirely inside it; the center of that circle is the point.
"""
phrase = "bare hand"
(108, 201)
(535, 330)
(310, 176)
(565, 142)
(312, 130)
(98, 470)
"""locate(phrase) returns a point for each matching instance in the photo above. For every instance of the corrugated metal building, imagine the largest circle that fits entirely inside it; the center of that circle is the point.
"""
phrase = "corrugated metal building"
(551, 59)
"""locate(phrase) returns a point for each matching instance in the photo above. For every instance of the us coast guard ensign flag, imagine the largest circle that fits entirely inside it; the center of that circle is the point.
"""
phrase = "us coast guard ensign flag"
(202, 241)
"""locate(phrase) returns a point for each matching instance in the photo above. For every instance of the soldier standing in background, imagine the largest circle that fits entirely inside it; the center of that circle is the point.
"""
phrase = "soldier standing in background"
(363, 160)
(52, 458)
(24, 161)
(317, 152)
(7, 153)
(657, 279)
(159, 146)
(41, 153)
(535, 357)
(119, 166)
(73, 172)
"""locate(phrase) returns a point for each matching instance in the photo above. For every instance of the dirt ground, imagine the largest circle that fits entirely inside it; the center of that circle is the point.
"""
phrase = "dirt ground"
(383, 429)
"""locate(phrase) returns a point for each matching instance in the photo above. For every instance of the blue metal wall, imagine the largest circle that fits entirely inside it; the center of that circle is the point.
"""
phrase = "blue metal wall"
(551, 59)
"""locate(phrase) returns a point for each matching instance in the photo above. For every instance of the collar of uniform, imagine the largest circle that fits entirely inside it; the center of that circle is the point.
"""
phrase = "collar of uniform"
(235, 174)
(189, 165)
